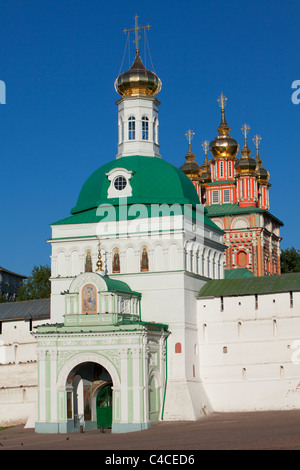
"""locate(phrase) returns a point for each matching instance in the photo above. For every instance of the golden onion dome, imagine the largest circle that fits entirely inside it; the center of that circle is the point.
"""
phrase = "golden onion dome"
(224, 146)
(262, 174)
(138, 80)
(246, 163)
(206, 174)
(190, 166)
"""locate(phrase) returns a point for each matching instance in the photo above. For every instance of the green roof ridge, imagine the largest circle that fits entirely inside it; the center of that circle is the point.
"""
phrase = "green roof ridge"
(251, 285)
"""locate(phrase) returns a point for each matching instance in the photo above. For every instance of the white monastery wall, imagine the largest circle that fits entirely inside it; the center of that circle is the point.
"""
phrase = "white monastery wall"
(250, 357)
(18, 372)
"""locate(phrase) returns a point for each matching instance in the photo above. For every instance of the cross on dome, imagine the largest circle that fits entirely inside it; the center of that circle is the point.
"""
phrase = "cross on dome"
(256, 139)
(205, 146)
(136, 30)
(189, 135)
(245, 129)
(222, 100)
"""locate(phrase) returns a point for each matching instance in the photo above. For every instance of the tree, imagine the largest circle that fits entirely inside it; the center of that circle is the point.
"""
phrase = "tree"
(290, 260)
(37, 286)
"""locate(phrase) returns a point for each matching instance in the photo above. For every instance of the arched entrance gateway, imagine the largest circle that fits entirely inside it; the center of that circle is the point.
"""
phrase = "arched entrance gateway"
(94, 368)
(89, 396)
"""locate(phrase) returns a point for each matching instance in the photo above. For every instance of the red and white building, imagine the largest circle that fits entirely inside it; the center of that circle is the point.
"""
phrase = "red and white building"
(235, 192)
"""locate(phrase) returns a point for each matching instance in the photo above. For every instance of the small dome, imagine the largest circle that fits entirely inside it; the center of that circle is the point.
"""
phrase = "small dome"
(224, 146)
(138, 80)
(262, 174)
(246, 163)
(190, 166)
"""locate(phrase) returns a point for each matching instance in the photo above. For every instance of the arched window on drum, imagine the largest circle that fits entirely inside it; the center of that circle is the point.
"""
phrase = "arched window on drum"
(145, 128)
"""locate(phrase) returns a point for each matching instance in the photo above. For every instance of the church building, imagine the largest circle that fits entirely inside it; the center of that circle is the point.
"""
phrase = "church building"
(144, 322)
(235, 193)
(126, 267)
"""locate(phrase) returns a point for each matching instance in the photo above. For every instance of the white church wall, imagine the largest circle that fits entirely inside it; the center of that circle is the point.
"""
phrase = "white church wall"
(250, 357)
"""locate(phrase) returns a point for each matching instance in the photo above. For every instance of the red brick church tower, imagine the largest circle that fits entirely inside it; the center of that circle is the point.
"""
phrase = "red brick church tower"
(235, 193)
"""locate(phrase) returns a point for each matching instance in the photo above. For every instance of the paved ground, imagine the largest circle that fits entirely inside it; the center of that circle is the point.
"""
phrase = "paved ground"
(274, 430)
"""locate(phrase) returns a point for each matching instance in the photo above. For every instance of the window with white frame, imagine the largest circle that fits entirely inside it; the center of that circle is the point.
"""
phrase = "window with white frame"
(215, 197)
(230, 169)
(226, 195)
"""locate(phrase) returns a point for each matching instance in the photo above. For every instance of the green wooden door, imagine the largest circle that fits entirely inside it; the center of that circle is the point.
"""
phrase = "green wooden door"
(104, 407)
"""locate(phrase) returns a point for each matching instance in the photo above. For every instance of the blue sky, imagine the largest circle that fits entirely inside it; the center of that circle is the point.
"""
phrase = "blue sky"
(59, 60)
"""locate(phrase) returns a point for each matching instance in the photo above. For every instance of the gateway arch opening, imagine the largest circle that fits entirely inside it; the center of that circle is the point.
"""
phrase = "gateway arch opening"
(89, 396)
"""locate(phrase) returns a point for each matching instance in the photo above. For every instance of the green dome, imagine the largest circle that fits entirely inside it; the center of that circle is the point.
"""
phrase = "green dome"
(153, 181)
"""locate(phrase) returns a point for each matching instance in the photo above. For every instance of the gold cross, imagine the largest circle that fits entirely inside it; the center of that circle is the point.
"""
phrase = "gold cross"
(205, 146)
(245, 129)
(136, 29)
(99, 263)
(222, 100)
(189, 135)
(256, 140)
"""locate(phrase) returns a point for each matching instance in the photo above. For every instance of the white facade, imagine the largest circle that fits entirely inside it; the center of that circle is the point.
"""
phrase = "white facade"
(179, 261)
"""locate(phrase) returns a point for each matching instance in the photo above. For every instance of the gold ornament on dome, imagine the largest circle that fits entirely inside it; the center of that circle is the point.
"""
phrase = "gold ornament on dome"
(189, 135)
(222, 100)
(257, 139)
(262, 174)
(190, 166)
(137, 80)
(205, 175)
(245, 129)
(246, 165)
(205, 146)
(99, 262)
(223, 146)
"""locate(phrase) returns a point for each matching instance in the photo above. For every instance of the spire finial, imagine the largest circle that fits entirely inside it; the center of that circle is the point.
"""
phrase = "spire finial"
(99, 262)
(189, 135)
(257, 139)
(245, 129)
(136, 30)
(222, 101)
(205, 146)
(223, 128)
(245, 150)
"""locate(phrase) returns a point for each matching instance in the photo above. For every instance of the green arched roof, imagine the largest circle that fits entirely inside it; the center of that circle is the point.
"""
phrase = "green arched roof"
(154, 181)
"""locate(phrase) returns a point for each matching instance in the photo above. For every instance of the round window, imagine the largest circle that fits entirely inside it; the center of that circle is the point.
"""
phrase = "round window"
(120, 183)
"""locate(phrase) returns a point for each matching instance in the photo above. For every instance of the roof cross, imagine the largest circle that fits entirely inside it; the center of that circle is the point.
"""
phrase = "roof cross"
(189, 135)
(245, 129)
(222, 100)
(205, 146)
(136, 30)
(256, 140)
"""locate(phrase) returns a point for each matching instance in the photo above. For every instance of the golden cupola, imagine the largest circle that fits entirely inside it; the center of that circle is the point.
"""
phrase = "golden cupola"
(138, 80)
(206, 174)
(223, 146)
(245, 164)
(190, 166)
(262, 174)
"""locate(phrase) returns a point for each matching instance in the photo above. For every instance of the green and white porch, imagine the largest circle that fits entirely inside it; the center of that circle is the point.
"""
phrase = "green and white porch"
(102, 369)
